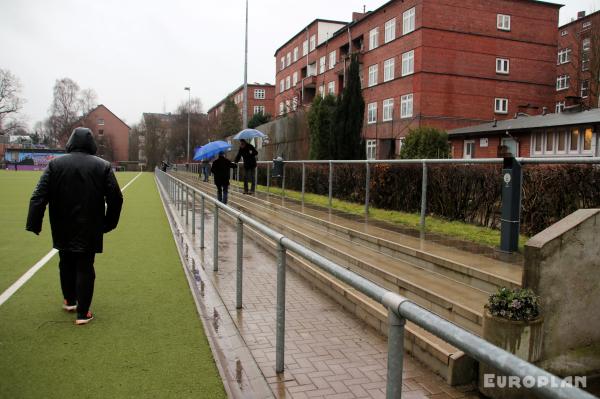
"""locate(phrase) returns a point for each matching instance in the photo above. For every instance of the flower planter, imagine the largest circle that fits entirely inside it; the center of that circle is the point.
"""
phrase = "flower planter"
(521, 338)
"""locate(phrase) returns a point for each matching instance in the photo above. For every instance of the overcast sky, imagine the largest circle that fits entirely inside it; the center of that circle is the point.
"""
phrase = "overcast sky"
(139, 55)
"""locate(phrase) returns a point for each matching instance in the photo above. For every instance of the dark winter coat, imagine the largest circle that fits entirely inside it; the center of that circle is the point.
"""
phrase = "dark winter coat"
(248, 153)
(76, 186)
(220, 169)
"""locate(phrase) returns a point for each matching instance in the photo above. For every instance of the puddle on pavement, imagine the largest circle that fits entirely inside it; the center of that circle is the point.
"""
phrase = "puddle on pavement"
(238, 371)
(216, 319)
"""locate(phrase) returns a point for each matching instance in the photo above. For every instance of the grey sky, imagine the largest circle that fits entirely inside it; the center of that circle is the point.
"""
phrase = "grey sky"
(139, 55)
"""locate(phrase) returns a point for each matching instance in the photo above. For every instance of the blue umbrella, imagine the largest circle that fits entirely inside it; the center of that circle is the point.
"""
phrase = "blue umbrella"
(249, 134)
(211, 150)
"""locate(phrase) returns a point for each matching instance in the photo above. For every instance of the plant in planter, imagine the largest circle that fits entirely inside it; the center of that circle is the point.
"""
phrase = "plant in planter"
(512, 321)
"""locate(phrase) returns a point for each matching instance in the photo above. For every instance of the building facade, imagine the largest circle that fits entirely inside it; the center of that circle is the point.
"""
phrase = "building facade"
(110, 132)
(429, 63)
(578, 59)
(260, 100)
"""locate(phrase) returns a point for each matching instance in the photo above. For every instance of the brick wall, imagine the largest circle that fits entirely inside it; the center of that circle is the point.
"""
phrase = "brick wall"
(113, 127)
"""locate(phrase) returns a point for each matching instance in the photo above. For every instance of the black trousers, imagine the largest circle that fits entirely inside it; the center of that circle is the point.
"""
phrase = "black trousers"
(222, 193)
(249, 177)
(77, 277)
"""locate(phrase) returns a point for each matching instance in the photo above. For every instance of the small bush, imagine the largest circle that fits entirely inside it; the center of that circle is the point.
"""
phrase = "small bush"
(514, 304)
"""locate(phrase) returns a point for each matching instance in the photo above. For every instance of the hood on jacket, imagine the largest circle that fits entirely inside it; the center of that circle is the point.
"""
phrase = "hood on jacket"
(82, 140)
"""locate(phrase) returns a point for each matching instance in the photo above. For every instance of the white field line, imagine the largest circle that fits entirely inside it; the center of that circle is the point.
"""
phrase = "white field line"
(25, 277)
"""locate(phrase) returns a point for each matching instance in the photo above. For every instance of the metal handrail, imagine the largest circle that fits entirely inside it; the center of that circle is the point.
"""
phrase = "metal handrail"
(399, 307)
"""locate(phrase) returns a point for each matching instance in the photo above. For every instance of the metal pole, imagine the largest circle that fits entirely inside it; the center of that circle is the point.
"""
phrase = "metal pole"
(283, 181)
(367, 188)
(279, 339)
(240, 252)
(303, 176)
(181, 199)
(245, 108)
(189, 90)
(237, 178)
(423, 197)
(216, 239)
(202, 222)
(395, 355)
(187, 204)
(255, 177)
(268, 177)
(193, 213)
(330, 182)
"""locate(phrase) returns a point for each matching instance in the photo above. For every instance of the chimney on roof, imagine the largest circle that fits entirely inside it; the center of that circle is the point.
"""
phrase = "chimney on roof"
(357, 16)
(580, 14)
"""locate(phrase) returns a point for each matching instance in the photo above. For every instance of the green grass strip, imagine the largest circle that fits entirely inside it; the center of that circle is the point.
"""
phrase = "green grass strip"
(454, 229)
(147, 340)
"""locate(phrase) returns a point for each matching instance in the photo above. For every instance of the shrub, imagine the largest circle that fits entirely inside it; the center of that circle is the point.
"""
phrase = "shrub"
(514, 304)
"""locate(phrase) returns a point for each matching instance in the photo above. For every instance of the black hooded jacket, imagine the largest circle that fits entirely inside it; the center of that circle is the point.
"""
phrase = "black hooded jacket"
(76, 186)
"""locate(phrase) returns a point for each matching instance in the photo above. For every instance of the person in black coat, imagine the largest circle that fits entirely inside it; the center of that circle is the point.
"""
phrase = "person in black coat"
(248, 153)
(220, 169)
(76, 187)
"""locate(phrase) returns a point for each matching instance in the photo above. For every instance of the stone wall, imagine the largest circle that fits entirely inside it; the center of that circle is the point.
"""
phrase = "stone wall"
(288, 138)
(562, 266)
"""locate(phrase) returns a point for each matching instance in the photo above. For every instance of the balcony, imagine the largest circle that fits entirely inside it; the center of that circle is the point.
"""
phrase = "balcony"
(310, 82)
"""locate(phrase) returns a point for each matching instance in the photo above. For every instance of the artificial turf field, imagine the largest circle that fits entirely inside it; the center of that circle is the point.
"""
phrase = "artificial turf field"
(146, 340)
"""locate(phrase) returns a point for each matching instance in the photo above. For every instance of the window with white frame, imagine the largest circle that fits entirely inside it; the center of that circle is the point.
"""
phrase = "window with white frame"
(287, 106)
(564, 56)
(586, 44)
(295, 103)
(502, 65)
(408, 21)
(562, 137)
(259, 109)
(549, 148)
(322, 64)
(562, 82)
(295, 54)
(371, 149)
(585, 60)
(259, 94)
(501, 105)
(585, 88)
(511, 145)
(313, 43)
(100, 121)
(295, 79)
(288, 83)
(282, 64)
(574, 147)
(373, 38)
(304, 48)
(586, 25)
(560, 105)
(388, 69)
(588, 140)
(372, 113)
(390, 30)
(331, 88)
(564, 32)
(281, 86)
(469, 149)
(311, 69)
(281, 110)
(503, 22)
(388, 109)
(406, 106)
(288, 59)
(322, 91)
(408, 63)
(373, 72)
(332, 57)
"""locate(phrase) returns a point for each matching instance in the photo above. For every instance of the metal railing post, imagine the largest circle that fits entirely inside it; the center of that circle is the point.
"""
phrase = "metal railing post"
(268, 178)
(216, 239)
(367, 187)
(395, 355)
(255, 177)
(280, 334)
(239, 264)
(193, 212)
(202, 222)
(237, 170)
(303, 177)
(283, 181)
(187, 204)
(330, 182)
(423, 198)
(181, 199)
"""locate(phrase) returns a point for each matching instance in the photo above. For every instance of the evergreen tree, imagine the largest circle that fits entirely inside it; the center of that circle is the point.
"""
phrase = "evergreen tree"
(320, 122)
(347, 141)
(231, 121)
(425, 143)
(258, 119)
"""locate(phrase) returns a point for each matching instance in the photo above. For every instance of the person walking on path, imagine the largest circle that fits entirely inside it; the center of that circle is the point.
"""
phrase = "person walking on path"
(220, 169)
(248, 153)
(76, 187)
(206, 169)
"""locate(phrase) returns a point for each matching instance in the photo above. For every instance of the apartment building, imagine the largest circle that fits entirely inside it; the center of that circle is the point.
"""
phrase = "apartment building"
(110, 132)
(260, 100)
(578, 59)
(445, 64)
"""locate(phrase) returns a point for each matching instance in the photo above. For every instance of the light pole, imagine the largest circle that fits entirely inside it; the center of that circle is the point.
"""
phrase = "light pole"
(245, 107)
(189, 90)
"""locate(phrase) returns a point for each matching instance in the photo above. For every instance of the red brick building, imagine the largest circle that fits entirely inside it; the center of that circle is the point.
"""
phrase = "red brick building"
(429, 63)
(578, 59)
(260, 100)
(110, 132)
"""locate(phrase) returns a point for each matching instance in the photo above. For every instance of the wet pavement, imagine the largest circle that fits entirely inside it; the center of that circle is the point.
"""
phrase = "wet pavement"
(328, 352)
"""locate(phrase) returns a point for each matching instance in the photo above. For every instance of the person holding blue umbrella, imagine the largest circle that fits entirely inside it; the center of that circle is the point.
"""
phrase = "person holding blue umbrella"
(248, 153)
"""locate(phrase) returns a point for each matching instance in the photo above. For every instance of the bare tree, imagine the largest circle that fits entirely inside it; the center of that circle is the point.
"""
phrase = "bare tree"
(177, 141)
(64, 109)
(594, 68)
(10, 101)
(88, 100)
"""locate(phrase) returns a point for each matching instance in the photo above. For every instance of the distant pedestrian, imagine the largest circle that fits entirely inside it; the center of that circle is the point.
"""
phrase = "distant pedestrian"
(206, 169)
(248, 153)
(220, 169)
(76, 187)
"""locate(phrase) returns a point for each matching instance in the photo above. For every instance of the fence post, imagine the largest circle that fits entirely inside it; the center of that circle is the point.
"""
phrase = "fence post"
(283, 181)
(187, 204)
(303, 177)
(255, 177)
(239, 263)
(181, 199)
(423, 198)
(395, 355)
(216, 239)
(202, 222)
(367, 187)
(268, 177)
(280, 334)
(237, 172)
(330, 182)
(193, 212)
